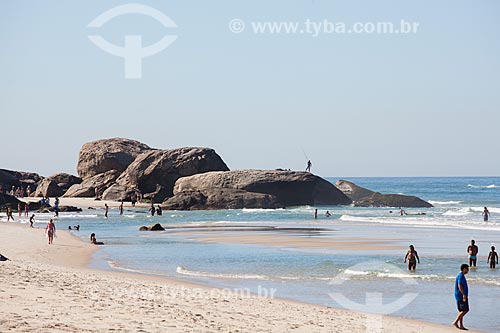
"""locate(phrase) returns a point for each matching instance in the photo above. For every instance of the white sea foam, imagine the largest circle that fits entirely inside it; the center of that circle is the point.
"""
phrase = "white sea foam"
(260, 210)
(444, 203)
(184, 271)
(483, 186)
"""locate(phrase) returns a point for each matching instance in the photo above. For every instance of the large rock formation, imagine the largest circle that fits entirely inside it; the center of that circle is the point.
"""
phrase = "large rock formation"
(9, 178)
(155, 172)
(289, 188)
(65, 180)
(104, 155)
(48, 188)
(8, 201)
(56, 185)
(220, 198)
(363, 197)
(87, 188)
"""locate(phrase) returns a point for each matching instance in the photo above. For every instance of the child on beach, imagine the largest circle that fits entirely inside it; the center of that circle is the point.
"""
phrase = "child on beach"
(492, 258)
(32, 220)
(412, 257)
(9, 214)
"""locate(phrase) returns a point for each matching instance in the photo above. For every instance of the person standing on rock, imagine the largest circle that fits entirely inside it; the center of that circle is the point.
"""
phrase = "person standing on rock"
(309, 165)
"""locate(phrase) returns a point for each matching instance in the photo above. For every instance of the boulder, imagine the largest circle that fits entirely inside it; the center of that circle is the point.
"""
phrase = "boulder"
(155, 172)
(48, 188)
(353, 191)
(290, 188)
(67, 209)
(363, 197)
(87, 188)
(65, 180)
(220, 198)
(7, 200)
(104, 155)
(9, 178)
(154, 227)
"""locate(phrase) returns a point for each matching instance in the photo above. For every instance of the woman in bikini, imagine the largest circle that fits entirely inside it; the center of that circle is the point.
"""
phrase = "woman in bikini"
(50, 229)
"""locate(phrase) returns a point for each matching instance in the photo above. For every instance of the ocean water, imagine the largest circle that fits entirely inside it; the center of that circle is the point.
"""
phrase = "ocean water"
(332, 277)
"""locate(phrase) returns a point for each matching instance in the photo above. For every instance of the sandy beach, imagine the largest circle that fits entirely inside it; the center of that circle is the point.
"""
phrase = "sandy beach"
(50, 289)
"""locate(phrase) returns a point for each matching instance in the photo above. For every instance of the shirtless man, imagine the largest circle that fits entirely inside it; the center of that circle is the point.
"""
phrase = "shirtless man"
(472, 250)
(412, 257)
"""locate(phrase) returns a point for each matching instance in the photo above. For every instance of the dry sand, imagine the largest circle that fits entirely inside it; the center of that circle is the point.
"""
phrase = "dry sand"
(48, 288)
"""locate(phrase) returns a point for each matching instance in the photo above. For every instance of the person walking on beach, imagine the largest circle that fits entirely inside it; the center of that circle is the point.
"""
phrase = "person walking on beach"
(412, 257)
(472, 250)
(486, 214)
(50, 230)
(9, 214)
(461, 296)
(26, 209)
(32, 220)
(492, 258)
(309, 165)
(106, 209)
(121, 208)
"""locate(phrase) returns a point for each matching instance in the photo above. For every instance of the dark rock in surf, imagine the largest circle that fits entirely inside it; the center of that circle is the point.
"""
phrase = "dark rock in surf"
(363, 197)
(154, 227)
(220, 198)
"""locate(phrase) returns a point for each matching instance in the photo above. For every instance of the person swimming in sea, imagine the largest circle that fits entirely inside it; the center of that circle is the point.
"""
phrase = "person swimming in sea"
(472, 250)
(486, 214)
(492, 258)
(412, 257)
(94, 241)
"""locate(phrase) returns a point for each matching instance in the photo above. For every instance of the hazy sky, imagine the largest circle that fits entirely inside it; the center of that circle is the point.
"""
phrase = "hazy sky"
(358, 104)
